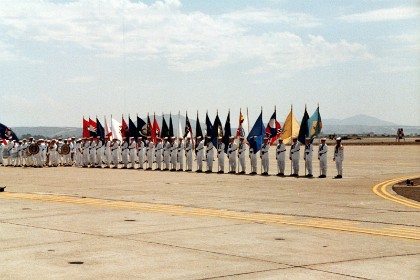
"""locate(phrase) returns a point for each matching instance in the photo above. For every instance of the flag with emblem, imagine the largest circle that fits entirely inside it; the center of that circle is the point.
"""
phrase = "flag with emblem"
(108, 132)
(209, 129)
(141, 127)
(273, 128)
(198, 131)
(6, 133)
(217, 130)
(315, 124)
(116, 129)
(165, 129)
(86, 124)
(92, 128)
(124, 129)
(188, 129)
(290, 128)
(155, 130)
(132, 129)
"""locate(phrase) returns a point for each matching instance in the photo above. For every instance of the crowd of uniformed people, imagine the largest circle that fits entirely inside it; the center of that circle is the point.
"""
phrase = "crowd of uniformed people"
(171, 154)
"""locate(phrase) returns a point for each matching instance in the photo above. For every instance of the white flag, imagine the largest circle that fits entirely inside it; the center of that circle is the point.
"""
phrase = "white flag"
(116, 129)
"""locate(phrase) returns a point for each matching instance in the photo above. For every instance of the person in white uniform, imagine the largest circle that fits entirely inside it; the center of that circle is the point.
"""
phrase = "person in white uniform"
(174, 153)
(241, 154)
(140, 152)
(132, 152)
(253, 155)
(180, 156)
(149, 152)
(294, 156)
(232, 155)
(166, 153)
(115, 151)
(209, 155)
(1, 151)
(265, 156)
(307, 156)
(199, 154)
(158, 153)
(189, 154)
(220, 155)
(280, 157)
(339, 158)
(322, 157)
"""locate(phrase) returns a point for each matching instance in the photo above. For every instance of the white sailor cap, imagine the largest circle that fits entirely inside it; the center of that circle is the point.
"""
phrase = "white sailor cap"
(279, 139)
(307, 138)
(294, 138)
(338, 138)
(242, 137)
(232, 137)
(323, 139)
(266, 138)
(199, 137)
(173, 137)
(220, 138)
(131, 137)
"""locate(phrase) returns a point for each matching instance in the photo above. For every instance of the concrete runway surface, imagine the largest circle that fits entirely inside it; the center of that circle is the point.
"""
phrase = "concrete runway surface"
(75, 223)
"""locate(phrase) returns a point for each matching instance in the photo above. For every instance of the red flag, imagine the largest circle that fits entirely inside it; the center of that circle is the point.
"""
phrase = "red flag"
(124, 129)
(240, 131)
(155, 130)
(86, 124)
(92, 128)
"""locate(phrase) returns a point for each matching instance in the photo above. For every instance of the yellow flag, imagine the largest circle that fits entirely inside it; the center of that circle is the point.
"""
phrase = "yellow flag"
(290, 128)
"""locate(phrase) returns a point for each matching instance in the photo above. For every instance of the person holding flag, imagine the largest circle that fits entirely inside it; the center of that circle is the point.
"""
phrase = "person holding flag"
(149, 152)
(273, 129)
(199, 153)
(294, 156)
(307, 156)
(241, 154)
(322, 157)
(220, 155)
(265, 159)
(253, 155)
(209, 154)
(114, 151)
(158, 153)
(174, 153)
(107, 152)
(339, 158)
(189, 153)
(140, 152)
(132, 151)
(280, 156)
(124, 153)
(232, 155)
(180, 155)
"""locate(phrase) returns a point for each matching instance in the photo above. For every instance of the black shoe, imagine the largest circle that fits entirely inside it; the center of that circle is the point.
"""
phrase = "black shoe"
(322, 176)
(338, 177)
(139, 167)
(242, 172)
(309, 175)
(199, 171)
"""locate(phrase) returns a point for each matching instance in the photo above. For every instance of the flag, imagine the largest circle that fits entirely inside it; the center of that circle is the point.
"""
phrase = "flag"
(92, 128)
(272, 130)
(132, 129)
(165, 129)
(86, 124)
(100, 131)
(171, 126)
(188, 129)
(209, 128)
(303, 131)
(124, 129)
(290, 128)
(315, 124)
(156, 130)
(141, 127)
(256, 135)
(240, 131)
(228, 132)
(179, 131)
(217, 130)
(6, 133)
(198, 131)
(108, 132)
(116, 129)
(149, 126)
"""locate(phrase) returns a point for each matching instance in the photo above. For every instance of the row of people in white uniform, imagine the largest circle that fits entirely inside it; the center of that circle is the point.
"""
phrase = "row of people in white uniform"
(168, 154)
(49, 152)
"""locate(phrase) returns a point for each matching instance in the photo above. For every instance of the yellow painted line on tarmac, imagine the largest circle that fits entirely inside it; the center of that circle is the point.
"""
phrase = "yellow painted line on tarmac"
(381, 190)
(264, 218)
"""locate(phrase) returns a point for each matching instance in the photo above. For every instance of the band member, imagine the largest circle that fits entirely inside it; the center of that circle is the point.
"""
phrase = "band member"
(241, 154)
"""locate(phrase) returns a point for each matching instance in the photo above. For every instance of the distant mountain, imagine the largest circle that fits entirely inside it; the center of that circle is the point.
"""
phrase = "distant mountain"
(358, 120)
(360, 124)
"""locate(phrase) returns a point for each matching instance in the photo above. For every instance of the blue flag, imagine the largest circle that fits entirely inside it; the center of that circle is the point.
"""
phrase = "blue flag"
(171, 127)
(256, 135)
(217, 130)
(7, 132)
(314, 124)
(132, 129)
(165, 130)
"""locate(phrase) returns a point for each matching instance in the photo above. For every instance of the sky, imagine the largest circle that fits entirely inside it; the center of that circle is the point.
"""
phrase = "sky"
(62, 60)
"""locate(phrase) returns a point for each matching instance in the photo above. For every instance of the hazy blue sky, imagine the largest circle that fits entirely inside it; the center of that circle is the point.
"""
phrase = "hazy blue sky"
(60, 60)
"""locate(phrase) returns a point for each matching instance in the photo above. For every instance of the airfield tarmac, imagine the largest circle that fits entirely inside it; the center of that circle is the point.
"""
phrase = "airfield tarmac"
(76, 223)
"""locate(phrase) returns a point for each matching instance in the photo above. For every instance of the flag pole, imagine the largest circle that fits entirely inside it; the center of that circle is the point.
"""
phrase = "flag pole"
(260, 149)
(291, 136)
